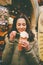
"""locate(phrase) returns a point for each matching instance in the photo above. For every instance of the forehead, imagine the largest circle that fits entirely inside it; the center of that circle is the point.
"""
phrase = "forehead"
(21, 20)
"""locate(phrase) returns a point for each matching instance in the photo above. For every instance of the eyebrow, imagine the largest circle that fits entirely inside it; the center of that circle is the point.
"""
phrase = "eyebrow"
(20, 23)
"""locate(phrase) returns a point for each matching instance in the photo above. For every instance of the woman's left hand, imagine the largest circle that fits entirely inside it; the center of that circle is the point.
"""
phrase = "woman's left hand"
(25, 44)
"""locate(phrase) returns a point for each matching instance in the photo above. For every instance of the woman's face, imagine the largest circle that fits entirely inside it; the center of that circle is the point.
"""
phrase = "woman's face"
(21, 25)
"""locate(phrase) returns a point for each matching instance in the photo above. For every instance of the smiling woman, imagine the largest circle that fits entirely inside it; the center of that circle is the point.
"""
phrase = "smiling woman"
(26, 56)
(20, 51)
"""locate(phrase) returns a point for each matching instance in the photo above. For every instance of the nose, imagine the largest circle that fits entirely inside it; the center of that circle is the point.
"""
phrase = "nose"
(21, 26)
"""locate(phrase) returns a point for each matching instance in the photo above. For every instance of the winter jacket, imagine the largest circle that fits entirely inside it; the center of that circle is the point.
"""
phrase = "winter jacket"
(12, 56)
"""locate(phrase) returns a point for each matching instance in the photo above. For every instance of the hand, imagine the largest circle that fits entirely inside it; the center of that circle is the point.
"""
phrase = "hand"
(12, 35)
(24, 44)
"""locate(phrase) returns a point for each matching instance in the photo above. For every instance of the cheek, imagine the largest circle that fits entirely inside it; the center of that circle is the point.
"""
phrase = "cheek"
(17, 26)
(25, 27)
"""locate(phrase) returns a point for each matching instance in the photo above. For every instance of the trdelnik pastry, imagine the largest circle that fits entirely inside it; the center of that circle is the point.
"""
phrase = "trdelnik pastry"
(23, 37)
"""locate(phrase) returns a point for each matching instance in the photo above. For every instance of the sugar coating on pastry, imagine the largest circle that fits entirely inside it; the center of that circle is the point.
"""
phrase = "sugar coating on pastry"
(24, 34)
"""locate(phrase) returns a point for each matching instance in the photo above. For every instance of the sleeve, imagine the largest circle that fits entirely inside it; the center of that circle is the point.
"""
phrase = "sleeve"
(31, 58)
(8, 52)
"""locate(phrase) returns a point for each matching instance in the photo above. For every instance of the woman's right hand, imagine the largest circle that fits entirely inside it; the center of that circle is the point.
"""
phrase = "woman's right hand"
(12, 35)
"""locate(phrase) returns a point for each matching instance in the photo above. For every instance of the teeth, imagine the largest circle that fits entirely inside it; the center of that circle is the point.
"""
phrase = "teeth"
(24, 34)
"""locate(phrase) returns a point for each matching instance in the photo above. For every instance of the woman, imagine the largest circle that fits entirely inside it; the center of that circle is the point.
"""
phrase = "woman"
(12, 55)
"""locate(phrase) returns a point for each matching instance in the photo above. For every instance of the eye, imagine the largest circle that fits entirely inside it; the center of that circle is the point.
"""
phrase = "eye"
(18, 24)
(24, 24)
